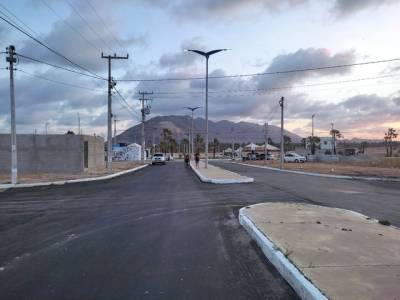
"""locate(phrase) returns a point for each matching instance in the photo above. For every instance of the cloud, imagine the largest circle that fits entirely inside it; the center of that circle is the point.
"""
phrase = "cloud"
(301, 59)
(215, 8)
(343, 8)
(182, 58)
(80, 42)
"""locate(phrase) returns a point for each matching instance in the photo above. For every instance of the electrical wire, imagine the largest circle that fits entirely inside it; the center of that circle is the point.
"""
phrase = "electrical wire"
(77, 31)
(56, 66)
(59, 82)
(18, 19)
(48, 47)
(124, 102)
(266, 73)
(87, 24)
(104, 24)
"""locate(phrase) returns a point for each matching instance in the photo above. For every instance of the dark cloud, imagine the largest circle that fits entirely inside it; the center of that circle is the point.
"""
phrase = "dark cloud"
(301, 59)
(344, 8)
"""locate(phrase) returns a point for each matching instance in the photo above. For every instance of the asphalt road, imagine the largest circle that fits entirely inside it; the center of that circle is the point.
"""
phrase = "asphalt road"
(158, 234)
(376, 199)
(155, 234)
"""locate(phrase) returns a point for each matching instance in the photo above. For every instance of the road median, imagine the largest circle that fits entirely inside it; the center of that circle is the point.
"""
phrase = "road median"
(218, 175)
(327, 253)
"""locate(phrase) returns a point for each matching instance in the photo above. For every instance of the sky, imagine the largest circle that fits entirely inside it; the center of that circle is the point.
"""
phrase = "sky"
(261, 35)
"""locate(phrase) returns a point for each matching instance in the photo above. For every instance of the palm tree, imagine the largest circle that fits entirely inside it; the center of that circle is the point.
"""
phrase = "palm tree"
(335, 133)
(185, 144)
(287, 143)
(166, 137)
(215, 144)
(198, 142)
(390, 135)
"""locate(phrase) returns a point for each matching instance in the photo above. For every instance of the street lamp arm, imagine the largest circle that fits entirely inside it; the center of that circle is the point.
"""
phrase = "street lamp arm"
(198, 52)
(209, 53)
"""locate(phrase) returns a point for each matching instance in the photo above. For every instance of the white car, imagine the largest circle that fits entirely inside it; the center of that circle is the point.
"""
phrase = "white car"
(158, 158)
(294, 157)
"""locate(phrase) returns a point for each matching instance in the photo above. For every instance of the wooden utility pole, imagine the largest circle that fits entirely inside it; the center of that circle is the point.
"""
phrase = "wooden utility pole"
(111, 84)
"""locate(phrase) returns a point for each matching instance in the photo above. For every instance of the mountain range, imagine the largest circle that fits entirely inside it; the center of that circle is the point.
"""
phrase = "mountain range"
(224, 131)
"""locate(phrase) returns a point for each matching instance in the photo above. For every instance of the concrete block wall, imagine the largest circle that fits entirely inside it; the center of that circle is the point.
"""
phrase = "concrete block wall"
(51, 153)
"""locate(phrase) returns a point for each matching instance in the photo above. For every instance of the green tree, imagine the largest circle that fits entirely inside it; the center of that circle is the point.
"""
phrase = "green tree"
(287, 143)
(185, 144)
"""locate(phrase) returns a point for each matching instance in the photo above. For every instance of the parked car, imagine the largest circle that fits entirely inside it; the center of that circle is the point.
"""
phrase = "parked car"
(158, 158)
(294, 157)
(269, 156)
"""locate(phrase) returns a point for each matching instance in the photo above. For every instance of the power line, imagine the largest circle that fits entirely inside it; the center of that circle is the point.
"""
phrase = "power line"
(56, 66)
(48, 47)
(281, 87)
(268, 73)
(124, 102)
(59, 82)
(18, 19)
(104, 24)
(87, 24)
(77, 31)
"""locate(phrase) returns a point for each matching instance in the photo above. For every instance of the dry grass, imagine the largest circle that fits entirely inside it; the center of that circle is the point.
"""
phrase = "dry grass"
(44, 177)
(388, 167)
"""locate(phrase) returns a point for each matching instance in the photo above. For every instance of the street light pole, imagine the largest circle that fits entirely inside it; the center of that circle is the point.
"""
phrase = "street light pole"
(191, 136)
(206, 55)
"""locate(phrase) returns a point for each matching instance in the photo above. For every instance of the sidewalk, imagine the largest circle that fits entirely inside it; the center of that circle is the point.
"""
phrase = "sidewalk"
(217, 175)
(328, 252)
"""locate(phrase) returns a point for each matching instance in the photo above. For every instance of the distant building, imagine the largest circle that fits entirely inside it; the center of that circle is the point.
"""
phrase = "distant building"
(53, 153)
(325, 144)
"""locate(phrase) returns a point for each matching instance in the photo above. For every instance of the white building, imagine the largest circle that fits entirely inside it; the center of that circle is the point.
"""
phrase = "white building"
(325, 143)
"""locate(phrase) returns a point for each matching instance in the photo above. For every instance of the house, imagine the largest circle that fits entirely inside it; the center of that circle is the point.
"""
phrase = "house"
(325, 144)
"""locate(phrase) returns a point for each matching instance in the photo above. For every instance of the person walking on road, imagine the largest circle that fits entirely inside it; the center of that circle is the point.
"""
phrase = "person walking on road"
(187, 160)
(197, 159)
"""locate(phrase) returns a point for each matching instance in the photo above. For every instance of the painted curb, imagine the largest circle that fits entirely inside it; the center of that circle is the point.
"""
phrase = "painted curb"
(62, 182)
(324, 175)
(220, 181)
(303, 287)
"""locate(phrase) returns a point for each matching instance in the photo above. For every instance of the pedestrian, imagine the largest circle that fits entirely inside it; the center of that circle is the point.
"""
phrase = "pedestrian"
(197, 159)
(187, 160)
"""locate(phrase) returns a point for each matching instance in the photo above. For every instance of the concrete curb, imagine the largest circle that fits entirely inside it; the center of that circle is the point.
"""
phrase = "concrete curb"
(324, 175)
(303, 287)
(61, 182)
(220, 181)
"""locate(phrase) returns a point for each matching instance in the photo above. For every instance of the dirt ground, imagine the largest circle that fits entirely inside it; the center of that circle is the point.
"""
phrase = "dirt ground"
(44, 177)
(382, 168)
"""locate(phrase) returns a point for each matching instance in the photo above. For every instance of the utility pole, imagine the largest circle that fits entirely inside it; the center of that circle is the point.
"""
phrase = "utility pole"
(281, 103)
(154, 141)
(191, 131)
(79, 124)
(115, 129)
(333, 139)
(145, 111)
(312, 135)
(111, 84)
(14, 166)
(233, 145)
(266, 142)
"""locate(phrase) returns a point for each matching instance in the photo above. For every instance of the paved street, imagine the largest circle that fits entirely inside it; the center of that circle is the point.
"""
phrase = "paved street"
(158, 234)
(155, 234)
